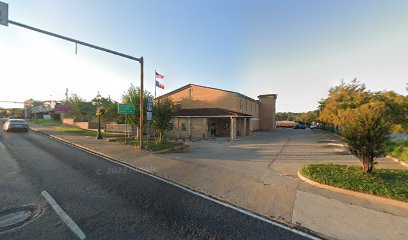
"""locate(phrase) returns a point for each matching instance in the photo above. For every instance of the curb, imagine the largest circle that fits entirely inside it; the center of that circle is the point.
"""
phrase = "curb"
(75, 145)
(365, 196)
(397, 160)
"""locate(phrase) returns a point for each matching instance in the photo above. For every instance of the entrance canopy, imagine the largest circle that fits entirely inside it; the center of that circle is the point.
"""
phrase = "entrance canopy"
(202, 122)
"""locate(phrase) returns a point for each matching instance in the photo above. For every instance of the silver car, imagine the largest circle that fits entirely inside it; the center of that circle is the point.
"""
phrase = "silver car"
(15, 125)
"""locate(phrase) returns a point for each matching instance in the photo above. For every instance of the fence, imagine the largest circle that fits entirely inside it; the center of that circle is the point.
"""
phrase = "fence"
(118, 128)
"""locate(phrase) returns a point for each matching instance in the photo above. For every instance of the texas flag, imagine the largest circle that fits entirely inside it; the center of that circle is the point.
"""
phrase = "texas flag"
(159, 76)
(159, 85)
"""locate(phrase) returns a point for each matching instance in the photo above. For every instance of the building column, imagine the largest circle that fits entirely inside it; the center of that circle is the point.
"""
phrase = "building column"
(178, 128)
(245, 127)
(189, 128)
(205, 127)
(248, 126)
(233, 128)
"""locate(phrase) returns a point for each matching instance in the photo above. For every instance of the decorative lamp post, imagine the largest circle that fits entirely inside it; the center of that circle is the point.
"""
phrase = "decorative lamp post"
(99, 112)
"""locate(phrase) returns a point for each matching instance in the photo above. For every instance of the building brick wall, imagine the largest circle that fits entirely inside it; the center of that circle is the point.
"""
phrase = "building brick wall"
(195, 97)
(267, 112)
(202, 97)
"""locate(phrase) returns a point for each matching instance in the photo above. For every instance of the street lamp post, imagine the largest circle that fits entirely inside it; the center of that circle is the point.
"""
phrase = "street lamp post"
(99, 112)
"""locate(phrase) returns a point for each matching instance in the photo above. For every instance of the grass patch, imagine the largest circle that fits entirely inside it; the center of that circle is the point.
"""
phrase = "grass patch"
(48, 122)
(151, 146)
(390, 183)
(81, 132)
(398, 149)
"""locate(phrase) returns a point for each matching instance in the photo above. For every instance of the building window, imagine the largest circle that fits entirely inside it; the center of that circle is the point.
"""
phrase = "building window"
(183, 127)
(246, 105)
(178, 106)
(252, 104)
(191, 93)
(240, 104)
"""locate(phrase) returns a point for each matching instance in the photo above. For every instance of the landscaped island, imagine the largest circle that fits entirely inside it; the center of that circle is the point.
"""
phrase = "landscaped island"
(390, 183)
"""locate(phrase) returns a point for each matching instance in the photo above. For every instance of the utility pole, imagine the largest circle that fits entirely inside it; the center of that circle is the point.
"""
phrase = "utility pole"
(141, 104)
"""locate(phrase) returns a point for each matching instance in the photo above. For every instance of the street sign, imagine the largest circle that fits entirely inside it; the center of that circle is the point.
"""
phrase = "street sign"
(150, 104)
(3, 14)
(126, 108)
(62, 109)
(149, 116)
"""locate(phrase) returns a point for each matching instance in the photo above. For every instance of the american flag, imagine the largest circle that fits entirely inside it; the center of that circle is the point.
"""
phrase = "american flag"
(159, 76)
(159, 85)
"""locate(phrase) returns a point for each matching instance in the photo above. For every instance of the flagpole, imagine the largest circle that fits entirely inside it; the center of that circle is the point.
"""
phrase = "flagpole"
(155, 85)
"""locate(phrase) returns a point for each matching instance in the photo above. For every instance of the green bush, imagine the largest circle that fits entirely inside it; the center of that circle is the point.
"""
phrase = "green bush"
(398, 149)
(404, 155)
(390, 183)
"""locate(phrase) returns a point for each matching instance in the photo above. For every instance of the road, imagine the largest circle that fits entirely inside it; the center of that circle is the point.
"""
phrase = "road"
(109, 201)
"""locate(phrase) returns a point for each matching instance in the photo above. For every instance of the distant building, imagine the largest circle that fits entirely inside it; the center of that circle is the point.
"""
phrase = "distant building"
(208, 112)
(37, 109)
(286, 124)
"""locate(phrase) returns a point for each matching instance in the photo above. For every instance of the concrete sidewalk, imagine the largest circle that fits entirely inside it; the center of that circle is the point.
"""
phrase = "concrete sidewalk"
(260, 174)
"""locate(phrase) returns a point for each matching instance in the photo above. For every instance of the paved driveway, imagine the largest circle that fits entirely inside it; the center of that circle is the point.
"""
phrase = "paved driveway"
(260, 173)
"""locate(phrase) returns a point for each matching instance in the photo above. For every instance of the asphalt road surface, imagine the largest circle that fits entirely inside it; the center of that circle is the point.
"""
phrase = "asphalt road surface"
(108, 201)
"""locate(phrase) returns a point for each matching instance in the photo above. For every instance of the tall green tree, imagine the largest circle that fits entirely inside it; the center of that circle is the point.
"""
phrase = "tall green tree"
(396, 109)
(352, 95)
(164, 111)
(81, 110)
(366, 132)
(132, 96)
(342, 98)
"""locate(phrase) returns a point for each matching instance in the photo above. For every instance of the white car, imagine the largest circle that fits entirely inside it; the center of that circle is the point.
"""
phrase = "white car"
(15, 125)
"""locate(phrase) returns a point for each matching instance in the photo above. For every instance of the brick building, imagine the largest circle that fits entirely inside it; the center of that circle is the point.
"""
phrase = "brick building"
(208, 112)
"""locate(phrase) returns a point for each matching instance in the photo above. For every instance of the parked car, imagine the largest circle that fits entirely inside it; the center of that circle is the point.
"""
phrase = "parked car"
(15, 125)
(299, 126)
(315, 127)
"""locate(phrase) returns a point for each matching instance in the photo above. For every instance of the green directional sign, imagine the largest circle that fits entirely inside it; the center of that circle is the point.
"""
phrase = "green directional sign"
(126, 108)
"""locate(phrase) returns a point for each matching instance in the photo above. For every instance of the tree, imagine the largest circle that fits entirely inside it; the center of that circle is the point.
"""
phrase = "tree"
(353, 95)
(366, 132)
(310, 117)
(132, 95)
(287, 116)
(342, 98)
(111, 109)
(396, 109)
(163, 112)
(80, 109)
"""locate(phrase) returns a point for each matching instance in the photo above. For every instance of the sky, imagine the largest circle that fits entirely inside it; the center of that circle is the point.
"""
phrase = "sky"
(297, 49)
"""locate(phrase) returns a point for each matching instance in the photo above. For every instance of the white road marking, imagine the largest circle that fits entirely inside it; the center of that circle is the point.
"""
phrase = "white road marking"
(1, 145)
(67, 220)
(246, 212)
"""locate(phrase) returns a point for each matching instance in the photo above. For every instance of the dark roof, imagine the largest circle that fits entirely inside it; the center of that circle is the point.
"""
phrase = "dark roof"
(210, 112)
(190, 85)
